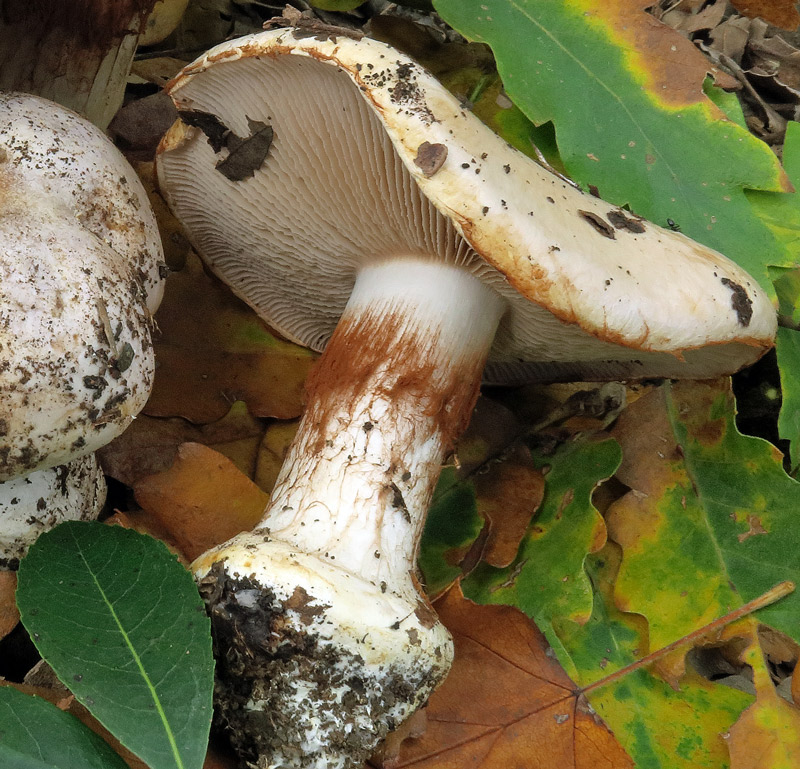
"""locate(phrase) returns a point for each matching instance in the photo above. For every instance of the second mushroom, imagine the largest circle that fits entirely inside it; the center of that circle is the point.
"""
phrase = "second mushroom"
(347, 197)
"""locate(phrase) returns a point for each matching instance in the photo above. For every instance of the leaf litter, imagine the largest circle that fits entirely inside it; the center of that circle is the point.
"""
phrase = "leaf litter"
(492, 480)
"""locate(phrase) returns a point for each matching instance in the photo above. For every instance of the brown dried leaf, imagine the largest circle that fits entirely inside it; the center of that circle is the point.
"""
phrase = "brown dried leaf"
(507, 496)
(246, 155)
(214, 347)
(150, 445)
(158, 71)
(138, 127)
(202, 500)
(176, 246)
(506, 703)
(9, 616)
(781, 13)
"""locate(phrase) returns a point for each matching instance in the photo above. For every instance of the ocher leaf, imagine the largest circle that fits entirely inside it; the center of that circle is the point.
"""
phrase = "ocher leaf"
(201, 501)
(781, 13)
(150, 444)
(9, 616)
(508, 495)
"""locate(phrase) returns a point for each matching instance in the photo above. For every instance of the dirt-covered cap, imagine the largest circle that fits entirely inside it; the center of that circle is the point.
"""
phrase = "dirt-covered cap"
(80, 275)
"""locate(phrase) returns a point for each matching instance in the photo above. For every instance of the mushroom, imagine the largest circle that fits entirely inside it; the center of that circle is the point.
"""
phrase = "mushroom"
(78, 53)
(35, 503)
(80, 275)
(347, 197)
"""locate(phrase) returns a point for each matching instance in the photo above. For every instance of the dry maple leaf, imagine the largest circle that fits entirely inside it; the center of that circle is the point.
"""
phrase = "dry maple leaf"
(507, 703)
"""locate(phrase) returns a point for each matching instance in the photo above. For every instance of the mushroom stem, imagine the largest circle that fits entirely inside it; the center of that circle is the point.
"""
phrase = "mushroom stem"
(325, 638)
(393, 390)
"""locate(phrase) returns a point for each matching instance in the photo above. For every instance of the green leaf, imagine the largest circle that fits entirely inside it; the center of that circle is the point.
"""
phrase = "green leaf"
(711, 521)
(37, 735)
(451, 527)
(781, 213)
(336, 5)
(627, 122)
(788, 348)
(122, 625)
(548, 580)
(658, 725)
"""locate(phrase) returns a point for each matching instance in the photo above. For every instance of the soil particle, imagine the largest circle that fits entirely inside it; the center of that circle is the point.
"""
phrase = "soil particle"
(598, 223)
(740, 301)
(430, 158)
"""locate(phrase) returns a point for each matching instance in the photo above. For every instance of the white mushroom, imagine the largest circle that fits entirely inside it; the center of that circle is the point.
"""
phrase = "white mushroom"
(79, 280)
(80, 276)
(333, 181)
(35, 503)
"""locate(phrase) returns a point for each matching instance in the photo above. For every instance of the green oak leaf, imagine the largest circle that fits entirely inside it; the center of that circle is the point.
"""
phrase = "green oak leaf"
(788, 349)
(659, 726)
(781, 213)
(452, 526)
(711, 522)
(122, 625)
(548, 580)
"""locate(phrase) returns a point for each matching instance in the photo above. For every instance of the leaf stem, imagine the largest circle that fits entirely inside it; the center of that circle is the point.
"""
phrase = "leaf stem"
(781, 590)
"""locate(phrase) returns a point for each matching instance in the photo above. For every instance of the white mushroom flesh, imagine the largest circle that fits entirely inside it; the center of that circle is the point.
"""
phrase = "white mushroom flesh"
(587, 300)
(380, 197)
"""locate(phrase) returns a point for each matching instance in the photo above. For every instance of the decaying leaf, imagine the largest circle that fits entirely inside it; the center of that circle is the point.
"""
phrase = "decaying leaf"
(767, 735)
(506, 702)
(717, 501)
(507, 495)
(217, 349)
(201, 501)
(175, 244)
(781, 13)
(547, 579)
(246, 154)
(9, 615)
(150, 444)
(478, 510)
(271, 453)
(138, 127)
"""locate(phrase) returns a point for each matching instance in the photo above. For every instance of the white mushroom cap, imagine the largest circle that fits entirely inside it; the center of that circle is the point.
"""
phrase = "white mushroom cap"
(371, 158)
(37, 502)
(80, 275)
